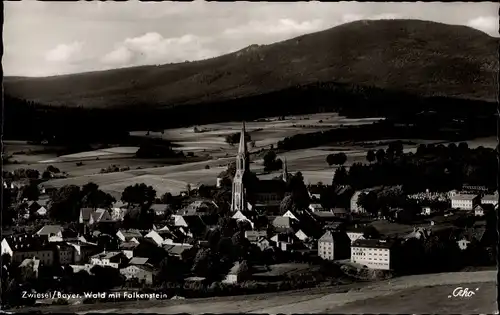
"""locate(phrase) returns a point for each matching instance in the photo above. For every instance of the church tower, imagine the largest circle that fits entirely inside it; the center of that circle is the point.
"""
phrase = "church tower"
(239, 201)
(285, 175)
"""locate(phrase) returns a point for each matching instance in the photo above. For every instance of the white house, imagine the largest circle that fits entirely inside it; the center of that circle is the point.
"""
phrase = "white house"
(375, 254)
(464, 201)
(143, 273)
(490, 199)
(111, 259)
(325, 246)
(426, 211)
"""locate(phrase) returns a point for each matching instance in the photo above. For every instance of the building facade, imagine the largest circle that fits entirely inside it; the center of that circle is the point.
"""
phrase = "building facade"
(375, 254)
(464, 202)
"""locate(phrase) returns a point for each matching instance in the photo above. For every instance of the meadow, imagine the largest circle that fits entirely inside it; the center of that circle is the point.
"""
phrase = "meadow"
(211, 155)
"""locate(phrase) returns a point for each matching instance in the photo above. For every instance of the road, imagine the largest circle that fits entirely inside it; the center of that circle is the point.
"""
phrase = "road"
(318, 300)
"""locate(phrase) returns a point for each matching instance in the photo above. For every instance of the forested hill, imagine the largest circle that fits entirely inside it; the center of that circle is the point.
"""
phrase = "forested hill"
(418, 57)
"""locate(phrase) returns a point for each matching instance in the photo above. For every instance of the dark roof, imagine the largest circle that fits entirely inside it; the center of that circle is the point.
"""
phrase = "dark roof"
(176, 249)
(374, 243)
(269, 186)
(50, 229)
(283, 222)
(26, 242)
(160, 207)
(128, 245)
(86, 213)
(334, 236)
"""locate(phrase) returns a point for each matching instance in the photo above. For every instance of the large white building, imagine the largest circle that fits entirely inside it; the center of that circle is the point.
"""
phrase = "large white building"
(29, 246)
(464, 201)
(375, 254)
(490, 199)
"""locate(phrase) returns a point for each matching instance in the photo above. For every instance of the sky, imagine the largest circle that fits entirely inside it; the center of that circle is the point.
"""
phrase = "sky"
(51, 38)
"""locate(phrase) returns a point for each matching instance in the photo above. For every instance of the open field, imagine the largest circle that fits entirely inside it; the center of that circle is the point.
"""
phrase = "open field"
(422, 294)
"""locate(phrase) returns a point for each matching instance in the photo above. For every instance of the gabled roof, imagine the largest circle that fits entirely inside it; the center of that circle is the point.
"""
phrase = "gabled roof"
(107, 255)
(99, 214)
(50, 229)
(464, 197)
(128, 245)
(283, 222)
(235, 269)
(138, 261)
(372, 243)
(176, 249)
(128, 234)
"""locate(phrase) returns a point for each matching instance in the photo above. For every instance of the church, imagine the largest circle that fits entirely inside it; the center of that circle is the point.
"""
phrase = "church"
(259, 194)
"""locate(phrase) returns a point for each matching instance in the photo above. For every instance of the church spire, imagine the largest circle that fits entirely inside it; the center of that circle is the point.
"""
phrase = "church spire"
(285, 171)
(243, 144)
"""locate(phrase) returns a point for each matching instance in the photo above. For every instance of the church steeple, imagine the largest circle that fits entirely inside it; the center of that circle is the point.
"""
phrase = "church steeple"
(242, 149)
(285, 171)
(242, 166)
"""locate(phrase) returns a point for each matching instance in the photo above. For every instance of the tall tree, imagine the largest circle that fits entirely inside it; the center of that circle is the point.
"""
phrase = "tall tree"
(65, 203)
(370, 156)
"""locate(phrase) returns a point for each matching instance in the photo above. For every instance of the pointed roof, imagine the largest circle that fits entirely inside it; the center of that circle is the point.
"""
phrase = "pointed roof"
(243, 144)
(285, 170)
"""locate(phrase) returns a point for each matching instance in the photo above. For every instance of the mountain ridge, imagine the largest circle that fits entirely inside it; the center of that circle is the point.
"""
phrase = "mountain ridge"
(419, 57)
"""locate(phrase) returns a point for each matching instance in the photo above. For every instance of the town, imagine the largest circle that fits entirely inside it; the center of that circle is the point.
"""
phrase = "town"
(376, 220)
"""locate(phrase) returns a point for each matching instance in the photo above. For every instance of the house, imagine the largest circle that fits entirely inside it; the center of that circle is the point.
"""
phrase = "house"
(114, 259)
(89, 216)
(191, 225)
(355, 233)
(341, 213)
(199, 207)
(315, 207)
(162, 237)
(83, 251)
(139, 261)
(285, 241)
(284, 222)
(253, 236)
(160, 209)
(118, 211)
(464, 202)
(128, 235)
(51, 230)
(301, 235)
(30, 267)
(426, 211)
(480, 210)
(334, 245)
(42, 211)
(248, 216)
(65, 254)
(24, 246)
(263, 243)
(233, 274)
(182, 251)
(127, 248)
(143, 273)
(375, 254)
(490, 199)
